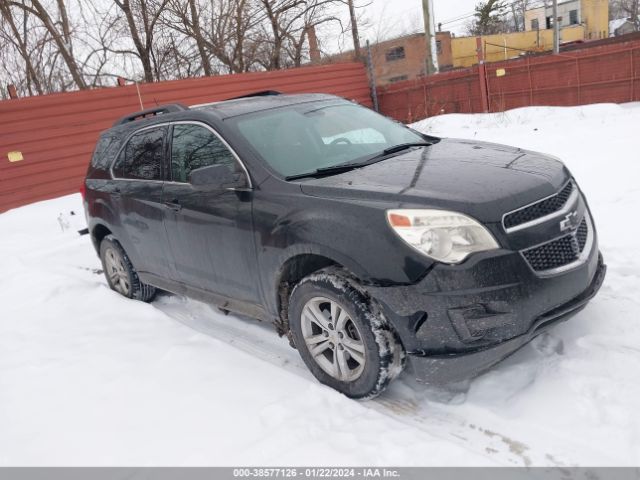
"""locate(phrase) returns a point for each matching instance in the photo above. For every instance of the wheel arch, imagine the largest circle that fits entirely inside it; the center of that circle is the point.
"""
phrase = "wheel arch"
(297, 267)
(390, 351)
(98, 232)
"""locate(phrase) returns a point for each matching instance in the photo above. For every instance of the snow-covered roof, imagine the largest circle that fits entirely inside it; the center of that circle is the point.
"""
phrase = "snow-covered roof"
(616, 24)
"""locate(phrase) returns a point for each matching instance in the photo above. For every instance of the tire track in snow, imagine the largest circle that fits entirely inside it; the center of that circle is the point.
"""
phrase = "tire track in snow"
(407, 402)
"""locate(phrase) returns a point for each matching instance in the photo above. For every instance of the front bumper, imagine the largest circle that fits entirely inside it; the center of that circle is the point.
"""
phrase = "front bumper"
(460, 320)
(442, 369)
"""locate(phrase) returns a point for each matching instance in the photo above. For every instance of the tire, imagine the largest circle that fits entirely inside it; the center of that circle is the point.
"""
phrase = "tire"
(120, 274)
(343, 336)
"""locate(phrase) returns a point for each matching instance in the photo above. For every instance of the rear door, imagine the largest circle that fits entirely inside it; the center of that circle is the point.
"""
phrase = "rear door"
(139, 174)
(210, 231)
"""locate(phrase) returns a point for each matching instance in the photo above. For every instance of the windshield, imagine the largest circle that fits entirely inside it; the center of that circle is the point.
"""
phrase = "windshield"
(304, 138)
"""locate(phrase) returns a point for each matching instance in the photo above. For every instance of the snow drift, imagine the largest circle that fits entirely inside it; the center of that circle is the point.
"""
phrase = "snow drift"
(90, 378)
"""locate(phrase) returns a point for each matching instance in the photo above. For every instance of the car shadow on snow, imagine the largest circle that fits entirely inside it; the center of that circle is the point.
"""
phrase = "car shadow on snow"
(440, 410)
(257, 337)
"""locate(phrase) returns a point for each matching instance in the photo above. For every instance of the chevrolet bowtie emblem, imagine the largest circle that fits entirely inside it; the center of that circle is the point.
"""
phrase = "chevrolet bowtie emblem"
(570, 222)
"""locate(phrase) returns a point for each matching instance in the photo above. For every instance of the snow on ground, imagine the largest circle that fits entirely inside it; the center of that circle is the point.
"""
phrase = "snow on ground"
(90, 378)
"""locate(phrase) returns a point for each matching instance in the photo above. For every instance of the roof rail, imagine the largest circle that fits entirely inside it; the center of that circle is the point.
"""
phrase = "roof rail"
(263, 93)
(151, 112)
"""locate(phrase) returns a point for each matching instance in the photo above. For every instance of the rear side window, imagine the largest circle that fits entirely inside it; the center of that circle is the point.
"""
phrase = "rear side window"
(143, 156)
(106, 148)
(194, 147)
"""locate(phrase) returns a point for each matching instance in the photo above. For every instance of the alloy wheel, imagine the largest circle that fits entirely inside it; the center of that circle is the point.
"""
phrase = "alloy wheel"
(333, 339)
(117, 272)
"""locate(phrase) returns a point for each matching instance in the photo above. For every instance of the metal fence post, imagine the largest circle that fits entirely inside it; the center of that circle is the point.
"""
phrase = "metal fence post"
(482, 74)
(633, 75)
(530, 81)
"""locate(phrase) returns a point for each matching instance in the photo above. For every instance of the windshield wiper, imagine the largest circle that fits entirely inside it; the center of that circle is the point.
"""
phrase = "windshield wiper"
(402, 148)
(329, 170)
(346, 167)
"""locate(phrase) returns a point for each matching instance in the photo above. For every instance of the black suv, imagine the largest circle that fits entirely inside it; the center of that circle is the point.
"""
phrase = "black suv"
(365, 242)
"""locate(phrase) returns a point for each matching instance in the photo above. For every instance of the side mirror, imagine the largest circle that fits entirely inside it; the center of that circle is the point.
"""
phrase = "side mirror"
(217, 177)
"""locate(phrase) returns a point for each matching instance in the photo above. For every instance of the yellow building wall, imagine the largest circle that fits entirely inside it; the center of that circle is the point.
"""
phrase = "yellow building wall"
(595, 16)
(464, 48)
(539, 14)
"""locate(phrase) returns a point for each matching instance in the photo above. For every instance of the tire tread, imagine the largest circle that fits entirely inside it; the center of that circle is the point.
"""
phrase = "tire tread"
(392, 355)
(139, 291)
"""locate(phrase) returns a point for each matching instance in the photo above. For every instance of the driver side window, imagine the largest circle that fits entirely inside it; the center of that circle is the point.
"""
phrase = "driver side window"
(194, 147)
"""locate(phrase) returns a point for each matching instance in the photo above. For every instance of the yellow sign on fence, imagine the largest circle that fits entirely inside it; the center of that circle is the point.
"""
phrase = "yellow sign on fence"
(15, 156)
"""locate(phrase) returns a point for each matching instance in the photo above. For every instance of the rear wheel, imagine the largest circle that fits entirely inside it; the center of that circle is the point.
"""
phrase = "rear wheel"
(120, 274)
(342, 336)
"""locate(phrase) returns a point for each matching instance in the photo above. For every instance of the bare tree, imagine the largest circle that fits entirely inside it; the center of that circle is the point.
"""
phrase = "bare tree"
(19, 37)
(515, 20)
(287, 23)
(220, 31)
(58, 45)
(354, 27)
(59, 30)
(629, 9)
(186, 20)
(315, 15)
(142, 18)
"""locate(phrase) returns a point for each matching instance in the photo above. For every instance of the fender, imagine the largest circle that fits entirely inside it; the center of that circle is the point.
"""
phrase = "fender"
(100, 214)
(347, 240)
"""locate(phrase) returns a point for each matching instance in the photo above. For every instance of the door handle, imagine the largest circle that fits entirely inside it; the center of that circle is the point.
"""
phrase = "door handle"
(173, 205)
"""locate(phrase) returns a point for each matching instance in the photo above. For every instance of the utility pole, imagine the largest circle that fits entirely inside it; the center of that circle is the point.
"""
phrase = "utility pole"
(372, 78)
(556, 29)
(429, 27)
(354, 28)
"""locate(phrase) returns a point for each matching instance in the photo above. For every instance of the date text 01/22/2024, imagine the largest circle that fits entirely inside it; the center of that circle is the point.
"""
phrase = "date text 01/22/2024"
(364, 473)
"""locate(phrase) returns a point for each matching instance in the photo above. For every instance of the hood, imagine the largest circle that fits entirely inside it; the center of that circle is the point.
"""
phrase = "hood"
(483, 180)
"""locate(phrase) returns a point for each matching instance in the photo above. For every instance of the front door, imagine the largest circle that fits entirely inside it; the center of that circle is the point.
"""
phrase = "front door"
(210, 232)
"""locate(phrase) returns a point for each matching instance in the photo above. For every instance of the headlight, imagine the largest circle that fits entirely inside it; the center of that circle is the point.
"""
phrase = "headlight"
(448, 237)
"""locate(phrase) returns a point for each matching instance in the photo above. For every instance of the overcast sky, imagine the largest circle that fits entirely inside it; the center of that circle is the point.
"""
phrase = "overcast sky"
(406, 12)
(390, 18)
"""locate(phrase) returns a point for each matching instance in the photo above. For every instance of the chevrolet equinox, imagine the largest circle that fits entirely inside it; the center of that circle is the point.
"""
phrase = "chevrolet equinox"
(367, 244)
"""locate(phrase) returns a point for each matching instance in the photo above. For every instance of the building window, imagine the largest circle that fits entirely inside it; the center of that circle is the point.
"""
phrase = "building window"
(535, 24)
(573, 17)
(549, 22)
(394, 54)
(439, 47)
(401, 78)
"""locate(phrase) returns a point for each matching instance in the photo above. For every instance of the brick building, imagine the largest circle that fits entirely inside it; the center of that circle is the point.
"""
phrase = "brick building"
(404, 58)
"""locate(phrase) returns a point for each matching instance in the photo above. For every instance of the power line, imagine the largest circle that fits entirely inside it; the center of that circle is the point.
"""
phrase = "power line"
(468, 15)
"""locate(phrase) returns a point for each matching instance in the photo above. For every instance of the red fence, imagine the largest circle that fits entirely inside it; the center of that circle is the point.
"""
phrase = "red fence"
(55, 134)
(608, 73)
(413, 100)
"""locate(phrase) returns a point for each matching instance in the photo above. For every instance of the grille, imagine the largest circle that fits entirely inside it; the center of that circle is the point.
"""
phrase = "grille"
(560, 252)
(540, 209)
(582, 234)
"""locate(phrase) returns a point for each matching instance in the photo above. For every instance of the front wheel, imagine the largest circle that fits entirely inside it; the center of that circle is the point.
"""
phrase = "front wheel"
(342, 336)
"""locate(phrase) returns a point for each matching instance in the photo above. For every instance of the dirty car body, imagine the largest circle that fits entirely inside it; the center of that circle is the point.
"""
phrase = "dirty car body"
(246, 245)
